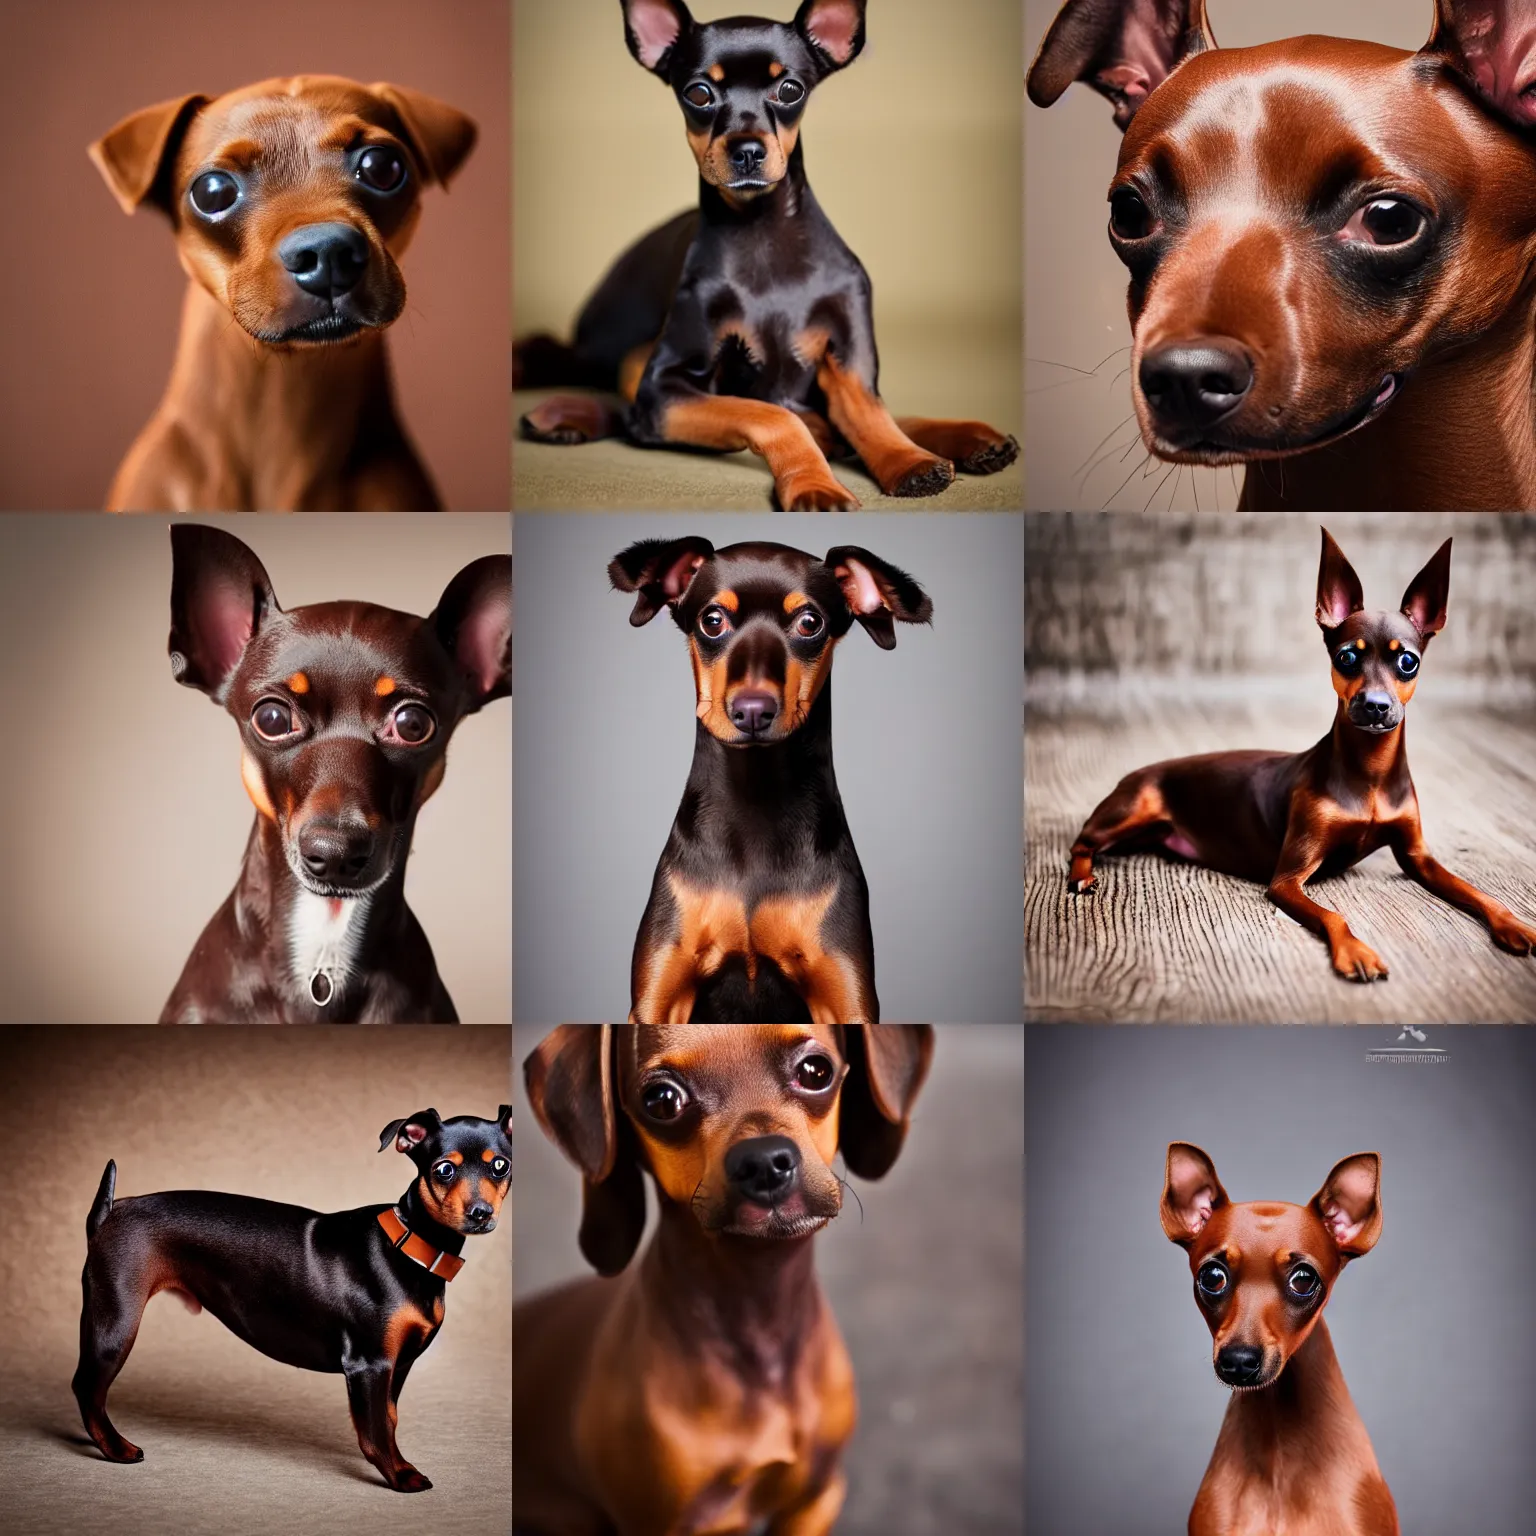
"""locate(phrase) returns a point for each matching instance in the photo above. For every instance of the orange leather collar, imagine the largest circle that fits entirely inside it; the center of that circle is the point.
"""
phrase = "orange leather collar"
(434, 1260)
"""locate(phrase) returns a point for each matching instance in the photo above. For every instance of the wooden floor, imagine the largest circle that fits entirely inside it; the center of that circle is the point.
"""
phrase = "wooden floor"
(1166, 942)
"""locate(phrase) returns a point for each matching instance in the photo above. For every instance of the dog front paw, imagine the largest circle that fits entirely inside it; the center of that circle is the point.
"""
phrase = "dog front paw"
(1083, 886)
(989, 454)
(1355, 961)
(820, 494)
(1511, 934)
(925, 475)
(408, 1480)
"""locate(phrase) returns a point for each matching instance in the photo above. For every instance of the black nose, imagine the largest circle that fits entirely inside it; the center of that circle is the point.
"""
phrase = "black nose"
(753, 710)
(335, 855)
(747, 156)
(1190, 386)
(478, 1212)
(763, 1168)
(1239, 1365)
(325, 259)
(1373, 708)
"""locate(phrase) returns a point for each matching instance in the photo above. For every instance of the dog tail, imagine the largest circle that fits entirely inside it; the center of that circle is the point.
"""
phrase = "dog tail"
(101, 1206)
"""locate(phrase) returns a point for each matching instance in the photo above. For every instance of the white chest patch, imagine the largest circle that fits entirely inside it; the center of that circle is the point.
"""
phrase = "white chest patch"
(324, 934)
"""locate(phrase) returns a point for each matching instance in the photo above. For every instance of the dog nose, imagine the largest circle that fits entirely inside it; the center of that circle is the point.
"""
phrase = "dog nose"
(747, 156)
(763, 1168)
(1191, 385)
(1374, 708)
(753, 710)
(335, 855)
(478, 1213)
(325, 259)
(1239, 1365)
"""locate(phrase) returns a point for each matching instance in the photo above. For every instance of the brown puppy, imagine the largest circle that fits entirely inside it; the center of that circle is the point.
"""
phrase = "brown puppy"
(706, 1388)
(292, 201)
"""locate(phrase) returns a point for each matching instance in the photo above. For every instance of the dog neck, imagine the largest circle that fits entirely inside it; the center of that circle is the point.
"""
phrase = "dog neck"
(771, 778)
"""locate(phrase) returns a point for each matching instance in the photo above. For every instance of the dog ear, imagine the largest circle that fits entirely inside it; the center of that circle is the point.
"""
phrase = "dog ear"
(409, 1133)
(572, 1081)
(439, 136)
(220, 595)
(1124, 49)
(473, 620)
(1425, 600)
(138, 156)
(1192, 1193)
(659, 570)
(1488, 43)
(876, 592)
(834, 29)
(1339, 593)
(652, 29)
(1349, 1204)
(887, 1065)
(504, 1122)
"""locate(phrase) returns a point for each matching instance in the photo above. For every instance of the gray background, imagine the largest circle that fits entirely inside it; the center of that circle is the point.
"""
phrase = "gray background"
(927, 757)
(1077, 336)
(1433, 1327)
(926, 1284)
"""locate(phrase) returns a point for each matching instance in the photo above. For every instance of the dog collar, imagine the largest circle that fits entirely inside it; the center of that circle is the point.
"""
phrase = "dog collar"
(436, 1261)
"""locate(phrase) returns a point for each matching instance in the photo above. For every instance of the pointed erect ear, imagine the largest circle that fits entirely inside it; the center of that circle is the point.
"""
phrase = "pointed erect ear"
(440, 136)
(1124, 49)
(1338, 588)
(1192, 1193)
(220, 596)
(877, 592)
(652, 29)
(659, 570)
(1349, 1204)
(473, 620)
(572, 1081)
(1492, 46)
(504, 1121)
(887, 1066)
(1425, 600)
(138, 157)
(834, 29)
(409, 1133)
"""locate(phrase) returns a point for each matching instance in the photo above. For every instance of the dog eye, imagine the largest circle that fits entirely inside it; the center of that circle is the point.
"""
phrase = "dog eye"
(1348, 661)
(499, 1166)
(664, 1101)
(713, 622)
(699, 95)
(808, 624)
(1303, 1282)
(382, 169)
(1386, 221)
(814, 1073)
(272, 719)
(413, 724)
(443, 1170)
(1129, 216)
(214, 192)
(791, 93)
(1212, 1279)
(1407, 663)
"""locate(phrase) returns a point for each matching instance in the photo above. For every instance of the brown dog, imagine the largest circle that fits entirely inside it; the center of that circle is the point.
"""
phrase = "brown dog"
(707, 1388)
(292, 201)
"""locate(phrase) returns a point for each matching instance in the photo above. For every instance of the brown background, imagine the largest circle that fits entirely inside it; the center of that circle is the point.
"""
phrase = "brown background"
(91, 299)
(234, 1442)
(126, 820)
(1075, 285)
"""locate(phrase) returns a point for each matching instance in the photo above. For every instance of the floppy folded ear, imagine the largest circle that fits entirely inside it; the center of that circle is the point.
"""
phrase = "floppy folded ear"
(473, 620)
(1339, 592)
(137, 157)
(220, 596)
(409, 1133)
(877, 592)
(659, 571)
(1124, 49)
(1491, 45)
(1192, 1193)
(887, 1065)
(572, 1084)
(440, 136)
(1349, 1204)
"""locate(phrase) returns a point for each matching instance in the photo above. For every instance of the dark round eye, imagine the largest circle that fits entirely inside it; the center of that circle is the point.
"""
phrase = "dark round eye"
(1348, 661)
(713, 622)
(214, 192)
(815, 1073)
(381, 168)
(499, 1166)
(273, 719)
(1390, 221)
(443, 1170)
(791, 93)
(414, 724)
(1303, 1282)
(1129, 216)
(664, 1101)
(1212, 1279)
(1407, 663)
(808, 624)
(699, 95)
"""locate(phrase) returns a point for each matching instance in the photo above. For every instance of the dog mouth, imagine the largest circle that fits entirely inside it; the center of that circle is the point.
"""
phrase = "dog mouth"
(790, 1218)
(1375, 727)
(326, 329)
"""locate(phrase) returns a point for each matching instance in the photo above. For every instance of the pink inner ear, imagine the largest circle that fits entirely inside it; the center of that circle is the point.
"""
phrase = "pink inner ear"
(675, 582)
(220, 621)
(859, 587)
(1502, 57)
(1338, 1222)
(655, 26)
(482, 645)
(833, 27)
(408, 1137)
(1201, 1204)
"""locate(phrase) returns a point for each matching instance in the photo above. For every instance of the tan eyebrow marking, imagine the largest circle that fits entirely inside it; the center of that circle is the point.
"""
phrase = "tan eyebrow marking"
(384, 687)
(298, 683)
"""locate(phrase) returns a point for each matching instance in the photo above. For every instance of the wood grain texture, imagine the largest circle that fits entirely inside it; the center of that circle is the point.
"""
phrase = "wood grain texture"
(1167, 942)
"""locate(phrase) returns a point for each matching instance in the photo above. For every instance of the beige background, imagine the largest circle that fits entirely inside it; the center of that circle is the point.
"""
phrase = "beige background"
(1078, 336)
(914, 152)
(236, 1444)
(92, 298)
(126, 820)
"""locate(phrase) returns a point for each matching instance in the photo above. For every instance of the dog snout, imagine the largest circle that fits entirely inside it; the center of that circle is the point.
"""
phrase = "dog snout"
(1372, 707)
(334, 854)
(763, 1169)
(480, 1213)
(753, 710)
(747, 156)
(325, 259)
(1240, 1365)
(1190, 385)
